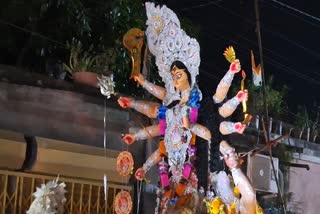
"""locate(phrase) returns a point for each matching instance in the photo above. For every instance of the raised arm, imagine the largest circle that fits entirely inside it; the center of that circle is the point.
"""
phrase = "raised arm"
(142, 134)
(225, 83)
(150, 109)
(231, 105)
(248, 194)
(154, 158)
(157, 91)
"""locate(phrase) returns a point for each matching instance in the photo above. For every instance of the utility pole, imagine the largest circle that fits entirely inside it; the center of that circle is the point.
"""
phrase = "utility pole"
(266, 133)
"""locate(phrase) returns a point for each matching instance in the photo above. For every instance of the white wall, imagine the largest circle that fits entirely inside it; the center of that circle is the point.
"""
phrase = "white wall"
(305, 186)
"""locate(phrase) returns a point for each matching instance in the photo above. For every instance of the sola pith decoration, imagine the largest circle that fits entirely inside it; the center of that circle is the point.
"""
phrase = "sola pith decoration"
(123, 203)
(169, 43)
(125, 163)
(49, 199)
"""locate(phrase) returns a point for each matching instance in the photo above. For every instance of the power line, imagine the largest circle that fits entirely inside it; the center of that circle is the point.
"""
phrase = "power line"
(31, 32)
(210, 74)
(313, 53)
(297, 10)
(200, 5)
(271, 61)
(290, 71)
(292, 14)
(272, 52)
(275, 63)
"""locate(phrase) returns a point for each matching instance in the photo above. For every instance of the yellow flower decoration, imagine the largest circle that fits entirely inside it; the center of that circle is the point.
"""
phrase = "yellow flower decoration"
(232, 208)
(236, 192)
(259, 210)
(216, 202)
(216, 206)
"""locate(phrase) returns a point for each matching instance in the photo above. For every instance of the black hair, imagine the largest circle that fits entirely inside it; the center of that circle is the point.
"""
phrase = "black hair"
(210, 118)
(181, 65)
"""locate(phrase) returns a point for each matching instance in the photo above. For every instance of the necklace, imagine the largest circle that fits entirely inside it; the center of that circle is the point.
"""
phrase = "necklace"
(185, 93)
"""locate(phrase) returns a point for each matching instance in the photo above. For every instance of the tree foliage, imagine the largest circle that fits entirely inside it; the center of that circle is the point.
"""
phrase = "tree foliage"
(125, 14)
(308, 117)
(275, 99)
(35, 35)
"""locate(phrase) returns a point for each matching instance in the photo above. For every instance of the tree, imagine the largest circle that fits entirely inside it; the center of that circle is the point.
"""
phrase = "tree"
(34, 35)
(275, 99)
(308, 118)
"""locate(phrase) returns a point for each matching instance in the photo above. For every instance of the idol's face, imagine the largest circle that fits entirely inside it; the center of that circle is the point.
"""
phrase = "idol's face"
(180, 79)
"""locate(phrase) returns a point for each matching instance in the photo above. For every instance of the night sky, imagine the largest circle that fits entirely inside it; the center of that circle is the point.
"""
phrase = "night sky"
(290, 42)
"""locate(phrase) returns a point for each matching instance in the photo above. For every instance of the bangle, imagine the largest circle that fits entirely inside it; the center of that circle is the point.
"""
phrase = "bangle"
(233, 103)
(151, 88)
(140, 135)
(227, 79)
(229, 126)
(215, 99)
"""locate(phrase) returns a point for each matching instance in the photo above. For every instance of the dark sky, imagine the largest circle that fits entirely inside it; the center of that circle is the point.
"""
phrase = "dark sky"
(289, 38)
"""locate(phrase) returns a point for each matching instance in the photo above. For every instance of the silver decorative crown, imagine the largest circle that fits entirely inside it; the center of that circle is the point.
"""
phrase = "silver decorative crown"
(168, 43)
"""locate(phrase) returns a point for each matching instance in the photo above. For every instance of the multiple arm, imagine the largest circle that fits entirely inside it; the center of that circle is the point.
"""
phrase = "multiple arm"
(150, 109)
(229, 106)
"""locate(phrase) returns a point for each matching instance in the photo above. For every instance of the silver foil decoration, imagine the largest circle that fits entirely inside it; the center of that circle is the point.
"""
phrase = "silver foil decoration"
(106, 85)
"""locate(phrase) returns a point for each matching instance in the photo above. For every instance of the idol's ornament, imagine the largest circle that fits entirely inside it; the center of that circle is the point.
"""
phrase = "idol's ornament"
(177, 57)
(125, 163)
(123, 203)
(124, 166)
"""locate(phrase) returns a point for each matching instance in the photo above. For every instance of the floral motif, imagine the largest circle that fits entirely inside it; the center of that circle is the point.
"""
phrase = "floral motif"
(123, 203)
(124, 163)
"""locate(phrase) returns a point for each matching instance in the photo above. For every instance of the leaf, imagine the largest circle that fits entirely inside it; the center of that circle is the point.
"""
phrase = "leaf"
(67, 68)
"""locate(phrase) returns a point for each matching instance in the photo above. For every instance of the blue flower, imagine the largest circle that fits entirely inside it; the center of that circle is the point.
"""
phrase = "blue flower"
(162, 112)
(194, 98)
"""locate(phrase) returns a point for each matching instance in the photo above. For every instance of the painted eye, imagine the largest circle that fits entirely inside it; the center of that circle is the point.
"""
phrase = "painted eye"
(178, 76)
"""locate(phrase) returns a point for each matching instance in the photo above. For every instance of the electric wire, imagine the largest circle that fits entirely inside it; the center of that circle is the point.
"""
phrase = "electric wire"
(292, 14)
(200, 5)
(270, 61)
(209, 74)
(268, 30)
(284, 66)
(297, 10)
(278, 64)
(32, 32)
